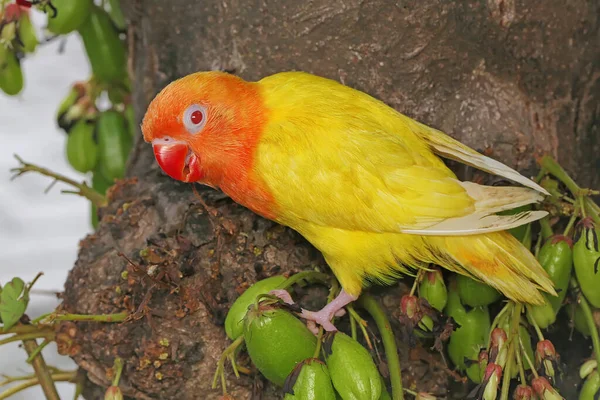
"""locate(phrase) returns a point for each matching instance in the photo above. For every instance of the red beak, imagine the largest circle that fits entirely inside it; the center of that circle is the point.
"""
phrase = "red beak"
(178, 161)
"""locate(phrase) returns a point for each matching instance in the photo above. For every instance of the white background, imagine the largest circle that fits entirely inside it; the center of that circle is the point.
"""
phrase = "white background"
(39, 232)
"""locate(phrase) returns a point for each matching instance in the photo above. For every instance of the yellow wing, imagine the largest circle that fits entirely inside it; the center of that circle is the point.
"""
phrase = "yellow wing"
(336, 157)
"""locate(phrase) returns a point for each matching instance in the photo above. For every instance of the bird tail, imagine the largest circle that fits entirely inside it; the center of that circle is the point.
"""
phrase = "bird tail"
(496, 258)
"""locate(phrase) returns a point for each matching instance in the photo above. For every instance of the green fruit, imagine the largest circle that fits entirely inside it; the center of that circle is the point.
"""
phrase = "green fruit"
(433, 289)
(543, 315)
(103, 46)
(70, 15)
(26, 34)
(114, 144)
(234, 322)
(556, 257)
(309, 381)
(276, 341)
(474, 293)
(99, 183)
(82, 150)
(384, 393)
(11, 76)
(591, 387)
(586, 260)
(353, 372)
(470, 336)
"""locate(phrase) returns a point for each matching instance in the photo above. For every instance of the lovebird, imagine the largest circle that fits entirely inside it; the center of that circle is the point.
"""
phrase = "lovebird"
(363, 183)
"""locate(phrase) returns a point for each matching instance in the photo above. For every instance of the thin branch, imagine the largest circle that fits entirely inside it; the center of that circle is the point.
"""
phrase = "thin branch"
(82, 188)
(61, 377)
(41, 370)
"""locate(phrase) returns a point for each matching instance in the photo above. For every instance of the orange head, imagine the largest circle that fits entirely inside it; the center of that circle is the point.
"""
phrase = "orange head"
(204, 128)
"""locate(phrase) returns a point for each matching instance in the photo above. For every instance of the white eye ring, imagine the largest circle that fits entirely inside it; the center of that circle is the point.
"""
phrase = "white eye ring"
(194, 118)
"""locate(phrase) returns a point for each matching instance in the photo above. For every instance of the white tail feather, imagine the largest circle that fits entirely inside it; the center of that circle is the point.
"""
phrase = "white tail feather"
(448, 147)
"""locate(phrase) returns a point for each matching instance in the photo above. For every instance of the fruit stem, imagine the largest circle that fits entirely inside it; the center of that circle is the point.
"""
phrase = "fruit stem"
(305, 275)
(571, 222)
(514, 336)
(83, 189)
(361, 323)
(118, 370)
(220, 372)
(531, 320)
(520, 362)
(353, 328)
(527, 357)
(550, 165)
(499, 318)
(546, 229)
(589, 318)
(389, 343)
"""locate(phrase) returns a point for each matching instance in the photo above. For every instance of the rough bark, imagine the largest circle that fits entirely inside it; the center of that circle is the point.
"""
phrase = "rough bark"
(517, 78)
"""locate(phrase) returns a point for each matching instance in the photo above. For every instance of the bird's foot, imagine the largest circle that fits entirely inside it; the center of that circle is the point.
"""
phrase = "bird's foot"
(324, 316)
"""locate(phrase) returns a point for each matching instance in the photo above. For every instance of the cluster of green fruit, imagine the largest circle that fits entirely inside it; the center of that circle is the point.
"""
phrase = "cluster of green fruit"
(289, 355)
(17, 37)
(98, 142)
(478, 344)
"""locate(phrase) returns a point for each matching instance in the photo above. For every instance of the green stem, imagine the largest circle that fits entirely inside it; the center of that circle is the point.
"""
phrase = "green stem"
(45, 343)
(524, 352)
(26, 336)
(62, 377)
(83, 189)
(497, 320)
(118, 370)
(361, 323)
(41, 370)
(389, 343)
(571, 223)
(550, 165)
(589, 319)
(520, 364)
(546, 229)
(514, 336)
(353, 328)
(310, 276)
(24, 329)
(118, 317)
(534, 324)
(220, 372)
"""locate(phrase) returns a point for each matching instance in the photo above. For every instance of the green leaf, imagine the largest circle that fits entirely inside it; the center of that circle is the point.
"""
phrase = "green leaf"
(13, 302)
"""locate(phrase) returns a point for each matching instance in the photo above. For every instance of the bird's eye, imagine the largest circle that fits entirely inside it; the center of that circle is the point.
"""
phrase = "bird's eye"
(194, 118)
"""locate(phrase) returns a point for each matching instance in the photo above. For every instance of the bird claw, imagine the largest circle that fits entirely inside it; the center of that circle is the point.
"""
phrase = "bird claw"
(284, 295)
(322, 317)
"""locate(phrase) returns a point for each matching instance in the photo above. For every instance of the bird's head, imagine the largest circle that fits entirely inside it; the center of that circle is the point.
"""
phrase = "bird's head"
(204, 126)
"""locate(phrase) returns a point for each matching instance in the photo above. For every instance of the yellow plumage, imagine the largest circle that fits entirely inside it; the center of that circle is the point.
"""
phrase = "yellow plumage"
(364, 185)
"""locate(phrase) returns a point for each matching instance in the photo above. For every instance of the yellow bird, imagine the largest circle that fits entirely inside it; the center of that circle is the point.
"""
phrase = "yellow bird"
(359, 180)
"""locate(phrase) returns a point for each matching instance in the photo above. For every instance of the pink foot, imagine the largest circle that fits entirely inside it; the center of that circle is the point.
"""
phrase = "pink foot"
(283, 295)
(335, 308)
(322, 317)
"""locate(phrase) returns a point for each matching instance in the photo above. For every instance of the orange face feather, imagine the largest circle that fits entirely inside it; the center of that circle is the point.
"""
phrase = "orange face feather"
(205, 128)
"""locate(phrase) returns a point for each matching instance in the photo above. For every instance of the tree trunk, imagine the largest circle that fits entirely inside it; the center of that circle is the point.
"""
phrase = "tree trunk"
(512, 77)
